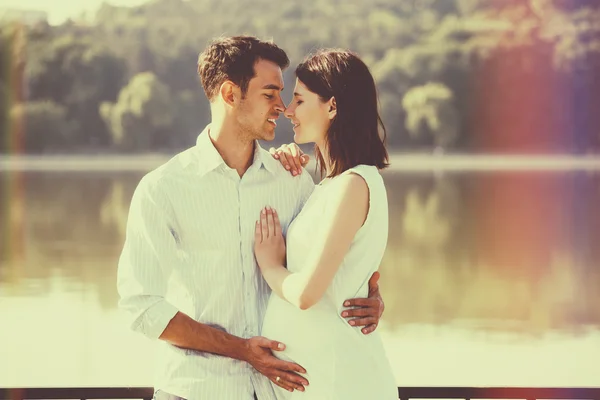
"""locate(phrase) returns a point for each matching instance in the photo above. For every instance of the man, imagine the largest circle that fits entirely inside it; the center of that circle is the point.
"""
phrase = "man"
(187, 273)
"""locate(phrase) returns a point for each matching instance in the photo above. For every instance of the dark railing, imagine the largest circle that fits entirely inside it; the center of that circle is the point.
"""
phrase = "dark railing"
(78, 393)
(468, 393)
(404, 393)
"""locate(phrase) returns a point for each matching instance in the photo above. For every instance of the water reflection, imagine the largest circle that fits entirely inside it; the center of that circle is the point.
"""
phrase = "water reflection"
(501, 252)
(496, 250)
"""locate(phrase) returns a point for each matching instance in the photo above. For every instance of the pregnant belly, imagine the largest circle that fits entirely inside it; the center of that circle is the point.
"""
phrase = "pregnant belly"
(340, 361)
(309, 335)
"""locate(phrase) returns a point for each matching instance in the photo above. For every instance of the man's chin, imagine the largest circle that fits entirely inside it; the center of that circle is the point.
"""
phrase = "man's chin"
(268, 136)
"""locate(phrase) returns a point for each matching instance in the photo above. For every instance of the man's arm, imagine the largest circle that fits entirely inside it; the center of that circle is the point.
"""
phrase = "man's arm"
(146, 261)
(183, 331)
(144, 269)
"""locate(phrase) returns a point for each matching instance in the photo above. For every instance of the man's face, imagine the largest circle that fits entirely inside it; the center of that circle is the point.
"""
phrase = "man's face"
(262, 104)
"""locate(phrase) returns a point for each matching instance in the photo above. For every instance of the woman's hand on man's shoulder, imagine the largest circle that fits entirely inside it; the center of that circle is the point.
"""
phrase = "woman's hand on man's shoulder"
(291, 157)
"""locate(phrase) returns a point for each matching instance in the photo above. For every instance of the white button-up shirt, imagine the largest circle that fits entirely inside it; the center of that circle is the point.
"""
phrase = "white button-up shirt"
(189, 248)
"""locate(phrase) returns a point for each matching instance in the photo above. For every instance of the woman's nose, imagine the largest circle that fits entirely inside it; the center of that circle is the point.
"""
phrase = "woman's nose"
(288, 113)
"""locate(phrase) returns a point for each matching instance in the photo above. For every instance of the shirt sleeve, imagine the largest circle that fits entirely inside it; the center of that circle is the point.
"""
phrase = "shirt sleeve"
(146, 261)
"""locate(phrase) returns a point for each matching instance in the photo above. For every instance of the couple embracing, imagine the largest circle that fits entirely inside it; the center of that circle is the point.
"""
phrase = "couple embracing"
(257, 283)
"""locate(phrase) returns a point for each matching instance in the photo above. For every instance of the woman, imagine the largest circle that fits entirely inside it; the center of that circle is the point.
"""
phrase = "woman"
(337, 241)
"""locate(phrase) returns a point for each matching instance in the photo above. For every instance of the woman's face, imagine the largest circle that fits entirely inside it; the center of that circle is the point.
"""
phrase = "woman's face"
(309, 115)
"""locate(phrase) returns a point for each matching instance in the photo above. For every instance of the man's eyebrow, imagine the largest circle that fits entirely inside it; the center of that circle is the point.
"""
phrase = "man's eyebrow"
(272, 86)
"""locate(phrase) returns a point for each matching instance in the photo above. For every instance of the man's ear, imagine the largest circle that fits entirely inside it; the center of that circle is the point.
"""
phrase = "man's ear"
(230, 93)
(332, 108)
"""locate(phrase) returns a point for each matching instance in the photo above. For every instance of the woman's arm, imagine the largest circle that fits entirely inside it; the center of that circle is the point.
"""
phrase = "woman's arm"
(346, 213)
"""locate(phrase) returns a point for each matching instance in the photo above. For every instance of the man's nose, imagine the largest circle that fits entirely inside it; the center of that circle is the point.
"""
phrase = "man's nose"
(280, 107)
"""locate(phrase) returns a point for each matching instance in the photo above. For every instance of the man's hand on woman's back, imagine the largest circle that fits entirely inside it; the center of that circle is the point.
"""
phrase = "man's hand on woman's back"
(368, 311)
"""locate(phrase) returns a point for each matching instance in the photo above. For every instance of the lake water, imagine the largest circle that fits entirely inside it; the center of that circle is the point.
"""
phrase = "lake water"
(491, 277)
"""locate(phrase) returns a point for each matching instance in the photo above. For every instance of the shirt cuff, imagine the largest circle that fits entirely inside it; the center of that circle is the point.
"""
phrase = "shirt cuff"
(156, 318)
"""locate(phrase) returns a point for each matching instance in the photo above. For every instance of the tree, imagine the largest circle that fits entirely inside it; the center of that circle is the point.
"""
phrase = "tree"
(42, 126)
(12, 65)
(78, 74)
(430, 110)
(472, 47)
(143, 115)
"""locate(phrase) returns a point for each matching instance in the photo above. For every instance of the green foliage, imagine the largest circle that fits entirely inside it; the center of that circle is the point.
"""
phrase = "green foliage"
(42, 126)
(430, 110)
(458, 44)
(11, 66)
(4, 118)
(142, 116)
(79, 74)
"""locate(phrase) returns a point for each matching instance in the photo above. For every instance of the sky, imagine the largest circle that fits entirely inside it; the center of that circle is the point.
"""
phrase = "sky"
(59, 10)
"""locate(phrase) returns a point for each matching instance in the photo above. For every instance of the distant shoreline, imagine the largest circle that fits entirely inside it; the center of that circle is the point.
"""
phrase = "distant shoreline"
(399, 162)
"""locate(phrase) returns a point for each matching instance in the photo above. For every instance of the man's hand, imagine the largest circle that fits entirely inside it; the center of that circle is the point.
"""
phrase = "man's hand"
(282, 373)
(368, 311)
(291, 157)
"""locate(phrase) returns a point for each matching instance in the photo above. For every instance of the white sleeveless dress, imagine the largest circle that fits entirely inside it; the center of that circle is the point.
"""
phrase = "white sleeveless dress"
(341, 362)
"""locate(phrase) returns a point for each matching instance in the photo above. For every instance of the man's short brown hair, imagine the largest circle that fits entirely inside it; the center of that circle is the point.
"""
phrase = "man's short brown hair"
(233, 58)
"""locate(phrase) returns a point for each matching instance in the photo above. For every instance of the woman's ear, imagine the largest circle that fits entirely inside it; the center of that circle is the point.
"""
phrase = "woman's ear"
(332, 108)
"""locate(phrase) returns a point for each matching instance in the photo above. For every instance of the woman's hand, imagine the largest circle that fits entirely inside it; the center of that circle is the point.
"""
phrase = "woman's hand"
(269, 245)
(291, 157)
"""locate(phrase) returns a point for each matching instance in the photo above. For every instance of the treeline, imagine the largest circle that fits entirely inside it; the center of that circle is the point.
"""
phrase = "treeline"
(519, 76)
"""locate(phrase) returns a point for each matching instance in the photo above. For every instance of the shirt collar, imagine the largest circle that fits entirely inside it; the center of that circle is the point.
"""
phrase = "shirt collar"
(210, 159)
(208, 156)
(264, 158)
